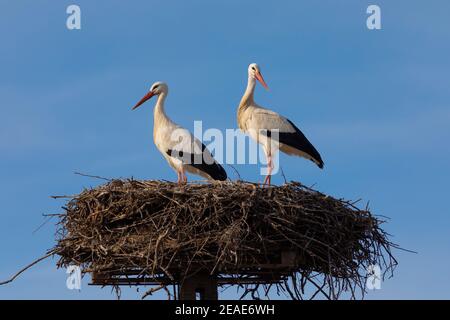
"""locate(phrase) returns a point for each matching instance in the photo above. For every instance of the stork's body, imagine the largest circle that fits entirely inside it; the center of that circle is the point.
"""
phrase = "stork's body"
(179, 147)
(270, 129)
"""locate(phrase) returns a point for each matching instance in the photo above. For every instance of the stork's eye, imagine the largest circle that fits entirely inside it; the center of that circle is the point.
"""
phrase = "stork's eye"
(155, 87)
(253, 68)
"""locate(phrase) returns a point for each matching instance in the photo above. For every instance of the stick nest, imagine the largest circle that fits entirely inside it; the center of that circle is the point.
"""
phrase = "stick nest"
(290, 238)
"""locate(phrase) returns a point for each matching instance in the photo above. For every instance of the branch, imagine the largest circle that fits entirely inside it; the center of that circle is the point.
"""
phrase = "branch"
(28, 267)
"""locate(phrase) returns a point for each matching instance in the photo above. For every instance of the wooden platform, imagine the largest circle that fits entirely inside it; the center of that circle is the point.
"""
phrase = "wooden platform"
(200, 283)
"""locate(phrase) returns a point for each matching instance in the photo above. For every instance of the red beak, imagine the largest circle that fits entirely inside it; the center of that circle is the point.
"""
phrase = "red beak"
(260, 78)
(145, 98)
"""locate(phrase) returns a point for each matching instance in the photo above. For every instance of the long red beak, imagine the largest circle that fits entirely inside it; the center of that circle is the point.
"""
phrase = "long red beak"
(145, 98)
(260, 78)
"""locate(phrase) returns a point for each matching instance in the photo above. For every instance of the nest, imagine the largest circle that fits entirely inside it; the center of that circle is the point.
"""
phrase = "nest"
(290, 238)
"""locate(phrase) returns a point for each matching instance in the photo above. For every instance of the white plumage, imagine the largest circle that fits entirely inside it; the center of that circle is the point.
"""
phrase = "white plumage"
(179, 147)
(270, 129)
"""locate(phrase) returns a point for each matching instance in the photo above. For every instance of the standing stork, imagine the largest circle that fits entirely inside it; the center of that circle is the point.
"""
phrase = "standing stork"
(261, 124)
(179, 147)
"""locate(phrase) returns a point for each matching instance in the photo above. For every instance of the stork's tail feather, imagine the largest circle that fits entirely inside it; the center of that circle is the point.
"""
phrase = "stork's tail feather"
(320, 163)
(297, 140)
(215, 171)
(197, 161)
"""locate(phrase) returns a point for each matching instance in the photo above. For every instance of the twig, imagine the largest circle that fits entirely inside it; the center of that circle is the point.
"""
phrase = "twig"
(28, 267)
(236, 171)
(151, 291)
(282, 174)
(48, 218)
(91, 176)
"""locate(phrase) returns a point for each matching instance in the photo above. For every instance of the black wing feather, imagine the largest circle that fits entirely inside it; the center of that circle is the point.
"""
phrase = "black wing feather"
(214, 170)
(298, 141)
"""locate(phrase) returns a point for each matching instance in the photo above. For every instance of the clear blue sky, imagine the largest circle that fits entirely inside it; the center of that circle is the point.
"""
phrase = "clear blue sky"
(375, 103)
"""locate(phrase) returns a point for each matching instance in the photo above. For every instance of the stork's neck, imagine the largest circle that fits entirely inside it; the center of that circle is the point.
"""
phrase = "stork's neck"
(247, 99)
(159, 112)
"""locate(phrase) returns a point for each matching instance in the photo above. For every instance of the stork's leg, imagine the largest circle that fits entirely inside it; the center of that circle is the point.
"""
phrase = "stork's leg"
(269, 170)
(183, 175)
(179, 177)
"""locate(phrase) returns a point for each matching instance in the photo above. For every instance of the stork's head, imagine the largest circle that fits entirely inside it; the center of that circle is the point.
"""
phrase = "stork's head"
(255, 72)
(156, 89)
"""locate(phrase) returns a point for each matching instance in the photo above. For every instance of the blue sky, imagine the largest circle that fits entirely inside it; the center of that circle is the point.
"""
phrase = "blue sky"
(375, 103)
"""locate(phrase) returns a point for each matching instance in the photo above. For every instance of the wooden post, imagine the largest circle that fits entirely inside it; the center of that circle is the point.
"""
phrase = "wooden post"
(289, 258)
(201, 286)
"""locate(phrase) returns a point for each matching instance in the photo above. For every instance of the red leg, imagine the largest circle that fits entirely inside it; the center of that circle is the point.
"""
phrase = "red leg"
(179, 177)
(268, 179)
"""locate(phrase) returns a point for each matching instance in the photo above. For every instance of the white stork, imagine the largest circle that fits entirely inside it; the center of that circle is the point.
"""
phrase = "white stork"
(179, 147)
(261, 124)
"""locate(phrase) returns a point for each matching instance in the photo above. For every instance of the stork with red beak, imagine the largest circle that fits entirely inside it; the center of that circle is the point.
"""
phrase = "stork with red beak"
(179, 147)
(264, 126)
